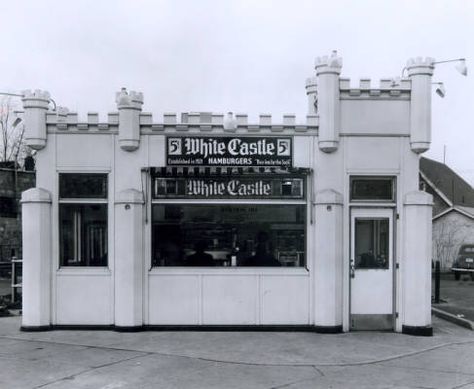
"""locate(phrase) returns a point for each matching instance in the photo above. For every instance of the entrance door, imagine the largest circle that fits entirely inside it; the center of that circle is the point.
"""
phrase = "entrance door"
(371, 269)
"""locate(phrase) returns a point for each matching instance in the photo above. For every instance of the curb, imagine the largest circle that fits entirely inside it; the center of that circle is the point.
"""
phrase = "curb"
(453, 318)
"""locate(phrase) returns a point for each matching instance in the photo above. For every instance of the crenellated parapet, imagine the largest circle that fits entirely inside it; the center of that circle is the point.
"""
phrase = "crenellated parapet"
(387, 88)
(129, 99)
(195, 122)
(328, 90)
(420, 66)
(36, 98)
(331, 64)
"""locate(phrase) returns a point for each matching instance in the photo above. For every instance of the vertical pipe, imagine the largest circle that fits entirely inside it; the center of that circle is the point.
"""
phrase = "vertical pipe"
(437, 280)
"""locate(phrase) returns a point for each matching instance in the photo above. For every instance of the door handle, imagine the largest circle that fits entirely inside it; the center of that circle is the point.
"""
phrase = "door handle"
(352, 269)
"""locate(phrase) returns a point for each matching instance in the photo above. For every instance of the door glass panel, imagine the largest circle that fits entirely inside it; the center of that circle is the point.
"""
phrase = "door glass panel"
(371, 243)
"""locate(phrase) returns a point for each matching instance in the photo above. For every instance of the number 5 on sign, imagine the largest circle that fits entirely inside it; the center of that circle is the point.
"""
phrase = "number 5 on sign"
(283, 147)
(174, 146)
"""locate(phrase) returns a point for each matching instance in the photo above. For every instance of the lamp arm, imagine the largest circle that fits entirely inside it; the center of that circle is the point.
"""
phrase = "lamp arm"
(449, 60)
(10, 94)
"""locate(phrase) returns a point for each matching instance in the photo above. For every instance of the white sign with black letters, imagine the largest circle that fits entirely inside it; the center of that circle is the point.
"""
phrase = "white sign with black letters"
(229, 151)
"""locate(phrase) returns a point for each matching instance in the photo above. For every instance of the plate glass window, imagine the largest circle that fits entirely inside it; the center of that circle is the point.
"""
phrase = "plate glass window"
(83, 219)
(228, 235)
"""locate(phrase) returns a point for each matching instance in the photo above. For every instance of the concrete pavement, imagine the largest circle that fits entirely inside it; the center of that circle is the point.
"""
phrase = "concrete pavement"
(108, 360)
(457, 297)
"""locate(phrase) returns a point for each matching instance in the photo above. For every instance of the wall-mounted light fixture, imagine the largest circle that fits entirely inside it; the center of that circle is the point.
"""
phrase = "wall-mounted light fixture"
(460, 67)
(440, 90)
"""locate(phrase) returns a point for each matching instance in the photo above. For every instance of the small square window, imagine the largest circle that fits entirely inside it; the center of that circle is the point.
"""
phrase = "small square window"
(82, 185)
(372, 189)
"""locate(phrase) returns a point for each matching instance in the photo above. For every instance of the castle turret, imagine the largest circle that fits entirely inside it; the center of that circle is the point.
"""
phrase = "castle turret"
(420, 71)
(129, 105)
(35, 105)
(328, 70)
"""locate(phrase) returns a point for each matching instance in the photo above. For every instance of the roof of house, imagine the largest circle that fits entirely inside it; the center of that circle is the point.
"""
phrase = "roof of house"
(446, 181)
(466, 211)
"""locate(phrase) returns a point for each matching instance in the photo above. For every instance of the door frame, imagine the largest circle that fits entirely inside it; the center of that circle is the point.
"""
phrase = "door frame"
(393, 226)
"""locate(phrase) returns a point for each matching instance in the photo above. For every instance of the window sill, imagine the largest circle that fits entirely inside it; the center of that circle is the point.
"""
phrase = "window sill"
(230, 271)
(83, 271)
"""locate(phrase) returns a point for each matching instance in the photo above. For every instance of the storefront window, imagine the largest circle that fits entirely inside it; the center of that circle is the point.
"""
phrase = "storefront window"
(83, 224)
(228, 235)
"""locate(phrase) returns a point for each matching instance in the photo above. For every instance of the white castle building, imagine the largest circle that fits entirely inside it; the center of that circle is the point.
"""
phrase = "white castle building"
(211, 221)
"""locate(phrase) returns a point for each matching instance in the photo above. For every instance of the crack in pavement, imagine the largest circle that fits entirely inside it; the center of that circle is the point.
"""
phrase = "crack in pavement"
(292, 383)
(319, 371)
(325, 364)
(72, 376)
(463, 385)
(426, 369)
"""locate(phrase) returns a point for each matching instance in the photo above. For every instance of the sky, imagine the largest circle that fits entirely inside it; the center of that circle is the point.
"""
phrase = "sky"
(249, 56)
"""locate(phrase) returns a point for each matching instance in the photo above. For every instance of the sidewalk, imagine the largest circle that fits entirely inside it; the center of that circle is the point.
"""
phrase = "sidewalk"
(108, 360)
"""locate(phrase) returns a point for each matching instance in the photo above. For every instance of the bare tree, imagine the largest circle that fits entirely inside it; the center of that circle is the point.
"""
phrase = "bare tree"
(12, 146)
(448, 235)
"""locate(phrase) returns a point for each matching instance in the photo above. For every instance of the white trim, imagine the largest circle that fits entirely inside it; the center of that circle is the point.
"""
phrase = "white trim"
(83, 169)
(229, 271)
(446, 211)
(84, 271)
(434, 187)
(82, 201)
(373, 204)
(229, 201)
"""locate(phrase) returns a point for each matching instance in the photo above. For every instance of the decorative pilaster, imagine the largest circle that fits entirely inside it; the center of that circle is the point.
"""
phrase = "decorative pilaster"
(35, 105)
(129, 105)
(420, 71)
(128, 260)
(37, 255)
(328, 261)
(416, 264)
(328, 70)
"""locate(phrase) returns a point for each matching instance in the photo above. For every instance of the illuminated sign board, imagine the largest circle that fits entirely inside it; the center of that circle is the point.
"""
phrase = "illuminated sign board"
(256, 187)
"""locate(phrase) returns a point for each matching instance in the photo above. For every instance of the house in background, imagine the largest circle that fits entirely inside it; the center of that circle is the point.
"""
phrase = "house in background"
(453, 209)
